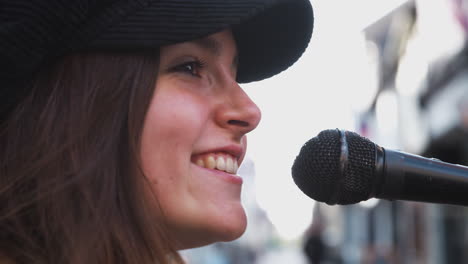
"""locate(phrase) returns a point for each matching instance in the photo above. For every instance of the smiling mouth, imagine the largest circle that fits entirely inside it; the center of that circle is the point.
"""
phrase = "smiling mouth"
(219, 161)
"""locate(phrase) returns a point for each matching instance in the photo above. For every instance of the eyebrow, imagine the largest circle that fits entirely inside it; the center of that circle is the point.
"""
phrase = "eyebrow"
(215, 47)
(210, 44)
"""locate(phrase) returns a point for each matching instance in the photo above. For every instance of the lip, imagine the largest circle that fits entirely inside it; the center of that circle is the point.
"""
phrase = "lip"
(231, 178)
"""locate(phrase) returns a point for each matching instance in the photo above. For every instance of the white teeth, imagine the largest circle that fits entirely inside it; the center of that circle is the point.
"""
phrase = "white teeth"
(222, 163)
(230, 165)
(200, 163)
(236, 166)
(210, 162)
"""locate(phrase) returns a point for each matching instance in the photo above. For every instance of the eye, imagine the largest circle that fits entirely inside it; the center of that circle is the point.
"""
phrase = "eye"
(191, 67)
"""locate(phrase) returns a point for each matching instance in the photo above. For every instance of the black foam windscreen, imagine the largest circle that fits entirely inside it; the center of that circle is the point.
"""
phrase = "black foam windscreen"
(316, 168)
(323, 172)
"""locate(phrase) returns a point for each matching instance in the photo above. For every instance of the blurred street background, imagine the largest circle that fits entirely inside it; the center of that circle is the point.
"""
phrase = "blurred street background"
(395, 71)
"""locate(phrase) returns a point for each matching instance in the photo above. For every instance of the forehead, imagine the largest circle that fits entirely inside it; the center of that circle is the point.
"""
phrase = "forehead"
(215, 44)
(210, 44)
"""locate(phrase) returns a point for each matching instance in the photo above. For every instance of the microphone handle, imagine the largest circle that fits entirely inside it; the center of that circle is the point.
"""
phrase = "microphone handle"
(404, 176)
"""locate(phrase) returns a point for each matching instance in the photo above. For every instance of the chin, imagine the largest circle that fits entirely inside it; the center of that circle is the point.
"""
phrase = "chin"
(224, 223)
(232, 233)
(224, 230)
(232, 229)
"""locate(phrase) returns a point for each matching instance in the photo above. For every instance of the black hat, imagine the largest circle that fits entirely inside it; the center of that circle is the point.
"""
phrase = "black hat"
(270, 34)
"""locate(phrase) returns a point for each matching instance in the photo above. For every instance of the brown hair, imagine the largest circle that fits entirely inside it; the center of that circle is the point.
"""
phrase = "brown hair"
(69, 187)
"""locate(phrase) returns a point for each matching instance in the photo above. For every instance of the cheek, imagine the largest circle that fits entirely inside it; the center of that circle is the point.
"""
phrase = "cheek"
(173, 124)
(176, 114)
(173, 121)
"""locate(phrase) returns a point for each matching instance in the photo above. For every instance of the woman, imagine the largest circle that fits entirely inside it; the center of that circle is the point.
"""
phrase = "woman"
(123, 123)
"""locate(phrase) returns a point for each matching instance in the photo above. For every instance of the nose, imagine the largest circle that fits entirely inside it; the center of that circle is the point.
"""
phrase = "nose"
(238, 112)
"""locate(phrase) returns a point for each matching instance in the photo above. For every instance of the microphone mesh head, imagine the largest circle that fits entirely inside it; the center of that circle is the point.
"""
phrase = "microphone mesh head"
(316, 170)
(359, 175)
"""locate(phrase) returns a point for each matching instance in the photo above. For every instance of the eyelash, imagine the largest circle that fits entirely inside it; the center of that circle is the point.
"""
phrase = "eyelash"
(195, 67)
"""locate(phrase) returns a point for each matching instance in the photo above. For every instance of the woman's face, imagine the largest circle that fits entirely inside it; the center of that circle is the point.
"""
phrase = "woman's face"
(194, 140)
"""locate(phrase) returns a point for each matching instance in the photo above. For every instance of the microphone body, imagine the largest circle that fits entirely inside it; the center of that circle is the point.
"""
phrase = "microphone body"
(342, 167)
(404, 176)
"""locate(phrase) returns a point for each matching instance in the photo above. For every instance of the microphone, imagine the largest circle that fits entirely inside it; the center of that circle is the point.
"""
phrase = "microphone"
(342, 167)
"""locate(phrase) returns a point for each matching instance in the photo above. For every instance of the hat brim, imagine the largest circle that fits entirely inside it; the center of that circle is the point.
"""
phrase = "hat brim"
(270, 34)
